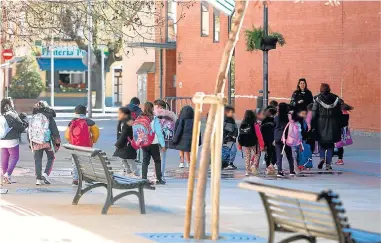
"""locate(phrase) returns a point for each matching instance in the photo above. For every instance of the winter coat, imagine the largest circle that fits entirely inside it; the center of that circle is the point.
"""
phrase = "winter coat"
(279, 128)
(93, 129)
(55, 134)
(327, 118)
(16, 124)
(135, 110)
(124, 150)
(252, 138)
(182, 140)
(230, 130)
(299, 95)
(267, 130)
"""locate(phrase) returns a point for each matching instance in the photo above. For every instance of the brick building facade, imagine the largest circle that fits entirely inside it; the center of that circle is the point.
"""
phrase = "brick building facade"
(337, 45)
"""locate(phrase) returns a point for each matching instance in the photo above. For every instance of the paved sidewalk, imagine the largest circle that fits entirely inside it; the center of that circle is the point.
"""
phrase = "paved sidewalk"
(30, 213)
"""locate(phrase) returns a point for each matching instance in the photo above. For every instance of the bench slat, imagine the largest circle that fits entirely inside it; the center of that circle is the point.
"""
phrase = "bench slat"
(304, 207)
(305, 218)
(301, 228)
(310, 214)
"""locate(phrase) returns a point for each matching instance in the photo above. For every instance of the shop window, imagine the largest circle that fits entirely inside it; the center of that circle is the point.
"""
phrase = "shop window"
(171, 20)
(204, 19)
(216, 26)
(72, 81)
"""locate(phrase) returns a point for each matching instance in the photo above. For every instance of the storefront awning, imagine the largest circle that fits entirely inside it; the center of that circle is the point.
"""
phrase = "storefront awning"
(62, 64)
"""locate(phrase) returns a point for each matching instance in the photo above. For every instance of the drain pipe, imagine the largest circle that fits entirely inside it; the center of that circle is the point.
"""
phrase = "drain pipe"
(161, 73)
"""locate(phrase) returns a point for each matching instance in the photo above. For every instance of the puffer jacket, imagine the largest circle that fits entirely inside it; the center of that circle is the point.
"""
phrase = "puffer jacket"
(182, 140)
(16, 124)
(327, 118)
(93, 128)
(124, 149)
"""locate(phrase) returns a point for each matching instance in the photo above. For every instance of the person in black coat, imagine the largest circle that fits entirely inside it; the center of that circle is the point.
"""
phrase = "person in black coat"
(182, 140)
(327, 122)
(124, 150)
(267, 129)
(302, 96)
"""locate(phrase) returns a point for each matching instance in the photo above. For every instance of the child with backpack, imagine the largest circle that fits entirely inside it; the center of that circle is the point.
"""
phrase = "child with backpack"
(167, 120)
(346, 109)
(281, 121)
(148, 135)
(43, 136)
(124, 149)
(250, 141)
(81, 131)
(294, 135)
(11, 127)
(229, 148)
(267, 130)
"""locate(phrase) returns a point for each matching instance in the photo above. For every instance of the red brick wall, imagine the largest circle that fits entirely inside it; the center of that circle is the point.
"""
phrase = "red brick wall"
(338, 45)
(151, 87)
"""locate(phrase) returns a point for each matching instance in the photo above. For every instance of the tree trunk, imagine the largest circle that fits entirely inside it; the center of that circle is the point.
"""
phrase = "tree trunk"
(96, 80)
(240, 9)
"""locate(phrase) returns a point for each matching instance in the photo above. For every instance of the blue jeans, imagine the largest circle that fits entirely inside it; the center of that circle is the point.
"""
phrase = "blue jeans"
(323, 148)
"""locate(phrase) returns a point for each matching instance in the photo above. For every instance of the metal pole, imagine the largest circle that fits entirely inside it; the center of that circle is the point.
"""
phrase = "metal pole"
(161, 72)
(265, 58)
(103, 81)
(52, 73)
(7, 80)
(89, 63)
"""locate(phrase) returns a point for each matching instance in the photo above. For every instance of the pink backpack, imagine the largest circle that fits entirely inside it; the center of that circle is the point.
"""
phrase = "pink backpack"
(294, 137)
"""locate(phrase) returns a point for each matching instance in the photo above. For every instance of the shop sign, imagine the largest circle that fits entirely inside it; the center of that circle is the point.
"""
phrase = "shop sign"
(62, 51)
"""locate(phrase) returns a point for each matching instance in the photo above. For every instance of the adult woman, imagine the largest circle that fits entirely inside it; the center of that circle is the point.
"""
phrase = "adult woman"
(327, 121)
(302, 96)
(10, 143)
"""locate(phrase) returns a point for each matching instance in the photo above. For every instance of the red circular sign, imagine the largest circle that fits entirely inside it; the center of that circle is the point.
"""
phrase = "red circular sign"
(7, 54)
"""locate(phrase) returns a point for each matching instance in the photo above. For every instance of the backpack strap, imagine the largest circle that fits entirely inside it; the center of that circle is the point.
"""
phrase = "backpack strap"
(284, 132)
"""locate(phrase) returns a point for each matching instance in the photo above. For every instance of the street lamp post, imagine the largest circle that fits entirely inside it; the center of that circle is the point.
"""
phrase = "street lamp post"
(265, 57)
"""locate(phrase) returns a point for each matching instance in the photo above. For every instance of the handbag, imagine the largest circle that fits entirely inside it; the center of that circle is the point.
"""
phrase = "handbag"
(346, 138)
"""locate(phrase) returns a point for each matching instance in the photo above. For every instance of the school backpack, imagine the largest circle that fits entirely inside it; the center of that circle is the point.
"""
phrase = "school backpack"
(80, 133)
(38, 130)
(168, 127)
(293, 135)
(305, 157)
(142, 132)
(4, 127)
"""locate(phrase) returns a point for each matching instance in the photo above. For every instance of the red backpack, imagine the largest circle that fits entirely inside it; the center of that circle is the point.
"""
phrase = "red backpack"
(80, 133)
(143, 135)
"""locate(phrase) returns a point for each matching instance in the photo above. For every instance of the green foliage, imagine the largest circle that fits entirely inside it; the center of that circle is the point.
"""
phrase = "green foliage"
(254, 38)
(27, 83)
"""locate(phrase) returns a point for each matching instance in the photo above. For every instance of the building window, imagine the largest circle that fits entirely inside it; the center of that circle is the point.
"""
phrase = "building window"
(71, 81)
(204, 19)
(171, 20)
(216, 26)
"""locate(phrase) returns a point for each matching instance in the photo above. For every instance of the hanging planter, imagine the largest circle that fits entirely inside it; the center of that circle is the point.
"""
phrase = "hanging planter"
(256, 39)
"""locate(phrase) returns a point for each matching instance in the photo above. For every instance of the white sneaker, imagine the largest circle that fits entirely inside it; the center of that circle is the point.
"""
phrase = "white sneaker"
(45, 178)
(7, 178)
(186, 165)
(39, 182)
(181, 165)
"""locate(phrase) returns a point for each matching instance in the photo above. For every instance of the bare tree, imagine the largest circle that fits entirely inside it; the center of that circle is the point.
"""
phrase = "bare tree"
(115, 23)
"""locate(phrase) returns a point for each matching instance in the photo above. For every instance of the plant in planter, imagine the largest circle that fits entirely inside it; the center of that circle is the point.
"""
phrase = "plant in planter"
(256, 39)
(27, 83)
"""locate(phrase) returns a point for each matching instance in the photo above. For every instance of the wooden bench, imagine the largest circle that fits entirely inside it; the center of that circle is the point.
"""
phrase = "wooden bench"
(94, 168)
(308, 214)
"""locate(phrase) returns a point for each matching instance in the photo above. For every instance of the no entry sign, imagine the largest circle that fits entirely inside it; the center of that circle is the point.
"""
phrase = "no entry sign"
(7, 54)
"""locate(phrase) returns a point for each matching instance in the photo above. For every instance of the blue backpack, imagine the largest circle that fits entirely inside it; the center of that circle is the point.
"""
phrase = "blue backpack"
(305, 156)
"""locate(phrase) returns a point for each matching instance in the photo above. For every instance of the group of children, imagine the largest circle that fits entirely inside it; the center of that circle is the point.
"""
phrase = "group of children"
(276, 130)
